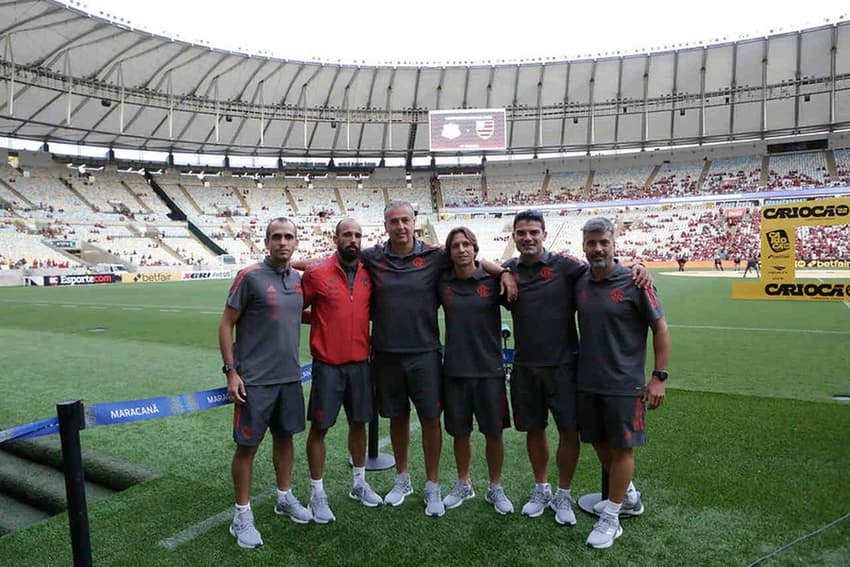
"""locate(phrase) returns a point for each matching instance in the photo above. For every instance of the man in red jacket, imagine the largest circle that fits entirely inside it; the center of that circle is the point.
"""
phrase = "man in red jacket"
(338, 290)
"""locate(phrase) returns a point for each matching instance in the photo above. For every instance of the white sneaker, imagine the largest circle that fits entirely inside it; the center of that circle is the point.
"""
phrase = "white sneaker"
(632, 505)
(242, 528)
(605, 531)
(562, 505)
(291, 507)
(364, 493)
(497, 497)
(401, 489)
(459, 494)
(540, 499)
(320, 508)
(433, 501)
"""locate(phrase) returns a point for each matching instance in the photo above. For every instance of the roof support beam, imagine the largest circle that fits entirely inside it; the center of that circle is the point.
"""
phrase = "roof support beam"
(9, 56)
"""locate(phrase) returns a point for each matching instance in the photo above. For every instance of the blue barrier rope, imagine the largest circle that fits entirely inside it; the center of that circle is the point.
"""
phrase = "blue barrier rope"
(30, 430)
(151, 408)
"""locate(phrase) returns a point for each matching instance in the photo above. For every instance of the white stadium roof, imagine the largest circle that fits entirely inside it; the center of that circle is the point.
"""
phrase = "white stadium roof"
(68, 76)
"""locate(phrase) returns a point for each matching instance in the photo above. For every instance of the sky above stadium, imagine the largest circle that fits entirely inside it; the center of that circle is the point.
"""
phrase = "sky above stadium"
(460, 31)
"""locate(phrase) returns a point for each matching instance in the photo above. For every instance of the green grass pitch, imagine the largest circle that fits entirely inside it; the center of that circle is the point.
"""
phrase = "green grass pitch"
(749, 453)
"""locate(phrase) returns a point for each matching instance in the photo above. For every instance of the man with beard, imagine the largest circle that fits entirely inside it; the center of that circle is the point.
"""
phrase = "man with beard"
(544, 378)
(338, 289)
(614, 315)
(264, 374)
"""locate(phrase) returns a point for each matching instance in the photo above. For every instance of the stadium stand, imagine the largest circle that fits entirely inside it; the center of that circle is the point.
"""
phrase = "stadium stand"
(121, 215)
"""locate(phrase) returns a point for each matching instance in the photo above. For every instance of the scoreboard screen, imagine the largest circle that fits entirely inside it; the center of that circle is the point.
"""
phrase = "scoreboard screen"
(467, 130)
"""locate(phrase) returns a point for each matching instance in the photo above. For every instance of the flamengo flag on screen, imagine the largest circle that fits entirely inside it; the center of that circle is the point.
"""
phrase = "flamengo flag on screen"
(467, 130)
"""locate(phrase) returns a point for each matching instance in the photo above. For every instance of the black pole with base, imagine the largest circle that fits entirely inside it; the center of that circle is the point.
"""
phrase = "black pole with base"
(71, 421)
(376, 461)
(588, 501)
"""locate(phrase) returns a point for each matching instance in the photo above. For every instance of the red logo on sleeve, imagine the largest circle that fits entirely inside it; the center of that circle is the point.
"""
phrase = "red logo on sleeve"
(483, 291)
(653, 298)
(546, 273)
(617, 295)
(419, 262)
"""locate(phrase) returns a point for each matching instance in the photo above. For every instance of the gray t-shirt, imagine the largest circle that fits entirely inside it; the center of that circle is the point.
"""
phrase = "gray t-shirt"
(404, 297)
(544, 312)
(473, 325)
(614, 317)
(268, 331)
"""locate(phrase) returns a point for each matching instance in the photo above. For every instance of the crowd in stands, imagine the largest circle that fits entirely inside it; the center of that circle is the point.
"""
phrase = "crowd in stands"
(234, 211)
(823, 242)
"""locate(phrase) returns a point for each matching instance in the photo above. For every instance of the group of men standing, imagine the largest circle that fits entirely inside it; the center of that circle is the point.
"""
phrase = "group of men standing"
(400, 286)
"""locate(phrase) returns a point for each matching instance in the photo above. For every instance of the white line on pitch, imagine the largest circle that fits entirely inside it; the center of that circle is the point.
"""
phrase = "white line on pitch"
(204, 526)
(131, 309)
(107, 305)
(200, 528)
(761, 329)
(799, 539)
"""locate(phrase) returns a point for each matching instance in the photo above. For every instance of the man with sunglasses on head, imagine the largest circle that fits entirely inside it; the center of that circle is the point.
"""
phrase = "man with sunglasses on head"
(407, 364)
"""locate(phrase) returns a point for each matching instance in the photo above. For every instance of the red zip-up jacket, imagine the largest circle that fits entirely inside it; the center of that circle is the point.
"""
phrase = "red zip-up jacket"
(339, 330)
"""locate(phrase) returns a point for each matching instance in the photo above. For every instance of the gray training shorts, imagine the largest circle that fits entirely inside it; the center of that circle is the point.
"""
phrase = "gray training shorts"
(279, 408)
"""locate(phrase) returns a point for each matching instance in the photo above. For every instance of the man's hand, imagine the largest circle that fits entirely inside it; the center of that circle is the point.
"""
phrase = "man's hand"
(654, 393)
(508, 286)
(236, 388)
(641, 276)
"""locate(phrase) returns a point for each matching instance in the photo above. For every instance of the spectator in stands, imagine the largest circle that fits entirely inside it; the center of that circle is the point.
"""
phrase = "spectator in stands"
(262, 367)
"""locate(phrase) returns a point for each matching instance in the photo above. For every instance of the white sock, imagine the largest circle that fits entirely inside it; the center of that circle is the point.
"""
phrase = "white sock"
(544, 486)
(243, 507)
(281, 494)
(565, 490)
(359, 475)
(318, 486)
(631, 487)
(402, 476)
(495, 486)
(612, 509)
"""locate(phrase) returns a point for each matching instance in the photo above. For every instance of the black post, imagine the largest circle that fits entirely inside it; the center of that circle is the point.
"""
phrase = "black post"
(376, 461)
(604, 483)
(372, 452)
(71, 421)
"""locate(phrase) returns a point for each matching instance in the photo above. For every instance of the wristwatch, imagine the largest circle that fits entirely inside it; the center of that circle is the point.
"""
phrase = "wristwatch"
(228, 367)
(660, 374)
